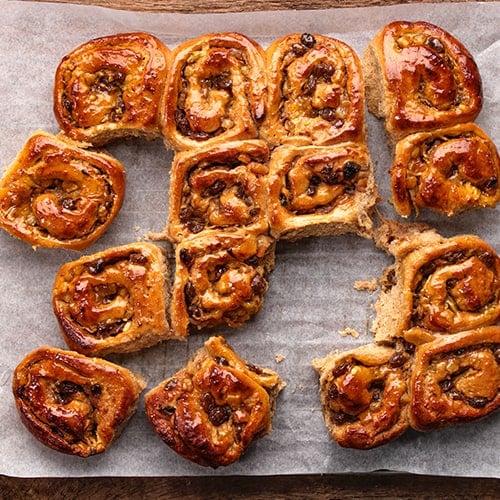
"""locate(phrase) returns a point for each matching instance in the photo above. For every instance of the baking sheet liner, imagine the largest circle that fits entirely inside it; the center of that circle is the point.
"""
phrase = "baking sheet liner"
(311, 297)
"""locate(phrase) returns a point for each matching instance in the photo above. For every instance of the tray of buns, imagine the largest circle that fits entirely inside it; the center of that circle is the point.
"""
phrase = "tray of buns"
(268, 246)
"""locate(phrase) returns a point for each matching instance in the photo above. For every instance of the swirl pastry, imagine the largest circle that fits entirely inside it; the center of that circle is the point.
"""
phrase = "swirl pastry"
(456, 379)
(110, 87)
(449, 170)
(364, 395)
(222, 186)
(215, 91)
(57, 194)
(419, 77)
(316, 191)
(316, 92)
(220, 278)
(74, 404)
(215, 407)
(437, 286)
(114, 300)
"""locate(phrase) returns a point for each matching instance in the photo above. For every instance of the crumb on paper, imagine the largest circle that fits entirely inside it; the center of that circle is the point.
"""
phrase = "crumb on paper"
(279, 358)
(349, 331)
(366, 285)
(137, 228)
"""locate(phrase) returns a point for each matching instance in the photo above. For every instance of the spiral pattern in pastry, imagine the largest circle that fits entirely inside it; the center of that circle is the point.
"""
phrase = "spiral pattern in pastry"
(57, 194)
(316, 190)
(220, 278)
(419, 77)
(215, 407)
(449, 170)
(215, 91)
(219, 187)
(316, 92)
(111, 87)
(114, 300)
(74, 404)
(364, 394)
(456, 379)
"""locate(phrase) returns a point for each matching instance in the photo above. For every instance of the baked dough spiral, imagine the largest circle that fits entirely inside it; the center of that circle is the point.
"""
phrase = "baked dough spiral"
(114, 300)
(419, 77)
(58, 194)
(364, 394)
(215, 91)
(456, 379)
(449, 170)
(111, 87)
(437, 285)
(220, 278)
(317, 190)
(221, 187)
(74, 404)
(316, 93)
(215, 407)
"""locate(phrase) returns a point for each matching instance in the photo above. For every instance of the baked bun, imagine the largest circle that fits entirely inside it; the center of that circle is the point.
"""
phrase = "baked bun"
(316, 92)
(437, 286)
(364, 394)
(110, 87)
(315, 191)
(219, 187)
(448, 170)
(215, 91)
(418, 77)
(221, 278)
(456, 379)
(114, 301)
(59, 194)
(74, 404)
(215, 407)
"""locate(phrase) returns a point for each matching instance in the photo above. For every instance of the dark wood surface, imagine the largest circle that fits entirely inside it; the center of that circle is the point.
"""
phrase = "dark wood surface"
(345, 486)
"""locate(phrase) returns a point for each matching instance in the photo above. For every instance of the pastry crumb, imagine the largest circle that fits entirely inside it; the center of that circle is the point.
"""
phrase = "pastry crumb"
(137, 228)
(366, 285)
(349, 331)
(279, 358)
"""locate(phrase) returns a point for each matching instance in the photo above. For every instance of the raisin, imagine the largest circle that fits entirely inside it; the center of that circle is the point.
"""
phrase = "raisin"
(491, 183)
(222, 81)
(104, 330)
(69, 204)
(138, 258)
(195, 225)
(343, 418)
(185, 257)
(219, 271)
(255, 368)
(215, 189)
(333, 392)
(309, 85)
(350, 170)
(182, 122)
(258, 284)
(220, 360)
(298, 49)
(96, 267)
(341, 369)
(397, 359)
(189, 292)
(327, 114)
(217, 414)
(67, 103)
(435, 44)
(446, 385)
(307, 40)
(185, 214)
(477, 402)
(283, 200)
(66, 389)
(167, 410)
(96, 389)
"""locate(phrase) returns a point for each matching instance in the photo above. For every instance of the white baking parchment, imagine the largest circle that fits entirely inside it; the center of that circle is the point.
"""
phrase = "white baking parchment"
(311, 297)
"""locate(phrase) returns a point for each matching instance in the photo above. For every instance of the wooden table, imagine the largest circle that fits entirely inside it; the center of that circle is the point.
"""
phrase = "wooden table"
(345, 486)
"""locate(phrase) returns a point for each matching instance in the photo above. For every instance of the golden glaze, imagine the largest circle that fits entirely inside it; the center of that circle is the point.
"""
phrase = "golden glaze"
(429, 79)
(315, 92)
(114, 300)
(449, 170)
(220, 278)
(58, 194)
(221, 187)
(317, 190)
(74, 404)
(215, 407)
(364, 395)
(456, 379)
(215, 91)
(111, 87)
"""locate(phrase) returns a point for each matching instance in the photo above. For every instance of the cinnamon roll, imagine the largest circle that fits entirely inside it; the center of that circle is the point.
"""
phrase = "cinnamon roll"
(110, 87)
(74, 404)
(364, 394)
(437, 286)
(215, 91)
(419, 77)
(114, 300)
(220, 187)
(215, 407)
(316, 92)
(317, 191)
(456, 379)
(220, 278)
(448, 170)
(58, 194)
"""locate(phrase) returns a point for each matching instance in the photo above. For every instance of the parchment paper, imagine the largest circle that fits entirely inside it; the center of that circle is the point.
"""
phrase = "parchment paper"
(311, 297)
